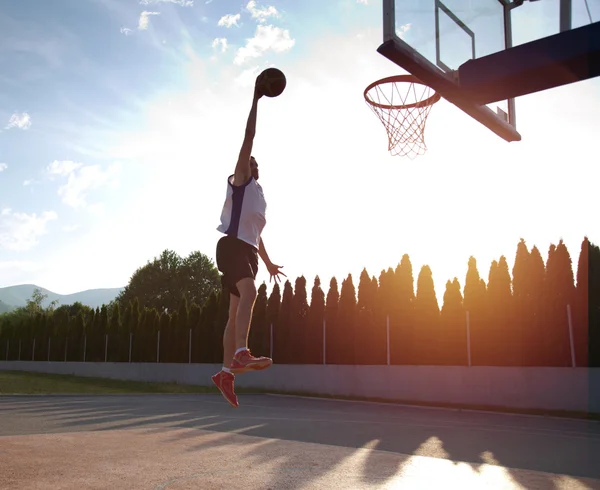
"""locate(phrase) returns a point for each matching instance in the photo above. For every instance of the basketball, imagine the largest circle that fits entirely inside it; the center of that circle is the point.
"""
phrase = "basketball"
(271, 82)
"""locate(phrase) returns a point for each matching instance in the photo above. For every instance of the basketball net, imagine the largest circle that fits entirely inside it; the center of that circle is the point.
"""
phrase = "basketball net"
(402, 103)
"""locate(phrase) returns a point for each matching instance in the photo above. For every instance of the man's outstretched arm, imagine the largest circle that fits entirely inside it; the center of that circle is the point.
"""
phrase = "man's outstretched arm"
(242, 169)
(271, 267)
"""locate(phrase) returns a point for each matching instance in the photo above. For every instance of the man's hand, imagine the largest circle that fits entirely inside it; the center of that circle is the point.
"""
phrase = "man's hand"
(274, 271)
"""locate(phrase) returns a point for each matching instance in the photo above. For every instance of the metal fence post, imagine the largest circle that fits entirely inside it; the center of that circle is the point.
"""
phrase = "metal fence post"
(190, 348)
(33, 350)
(158, 347)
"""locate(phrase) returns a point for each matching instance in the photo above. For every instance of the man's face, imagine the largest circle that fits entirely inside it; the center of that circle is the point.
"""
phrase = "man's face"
(254, 168)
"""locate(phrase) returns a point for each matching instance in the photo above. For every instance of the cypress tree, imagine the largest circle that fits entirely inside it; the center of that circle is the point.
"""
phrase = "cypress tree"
(475, 307)
(364, 320)
(499, 337)
(273, 308)
(560, 292)
(581, 331)
(453, 339)
(282, 337)
(316, 316)
(347, 322)
(114, 329)
(331, 321)
(427, 319)
(403, 333)
(298, 328)
(258, 341)
(594, 304)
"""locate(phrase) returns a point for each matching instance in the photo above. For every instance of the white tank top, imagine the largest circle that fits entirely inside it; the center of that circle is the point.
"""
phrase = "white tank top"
(244, 210)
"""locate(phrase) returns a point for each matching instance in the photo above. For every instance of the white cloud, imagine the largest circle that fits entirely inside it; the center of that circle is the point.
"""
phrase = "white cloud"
(261, 14)
(81, 180)
(403, 29)
(126, 31)
(70, 228)
(144, 19)
(229, 20)
(364, 2)
(182, 3)
(21, 121)
(62, 168)
(21, 231)
(220, 41)
(266, 38)
(248, 77)
(3, 167)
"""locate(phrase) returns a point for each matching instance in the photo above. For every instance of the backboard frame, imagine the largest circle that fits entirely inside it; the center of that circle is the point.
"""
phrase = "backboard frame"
(446, 83)
(500, 74)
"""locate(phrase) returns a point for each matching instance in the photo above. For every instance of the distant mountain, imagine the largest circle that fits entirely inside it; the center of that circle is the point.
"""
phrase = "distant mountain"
(4, 308)
(15, 296)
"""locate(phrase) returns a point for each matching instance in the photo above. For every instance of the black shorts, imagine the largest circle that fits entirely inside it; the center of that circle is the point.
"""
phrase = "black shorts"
(237, 260)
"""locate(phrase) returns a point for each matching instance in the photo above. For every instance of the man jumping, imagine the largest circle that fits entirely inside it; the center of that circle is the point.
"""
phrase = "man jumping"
(242, 222)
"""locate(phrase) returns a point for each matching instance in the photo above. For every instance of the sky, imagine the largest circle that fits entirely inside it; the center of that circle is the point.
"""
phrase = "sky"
(120, 121)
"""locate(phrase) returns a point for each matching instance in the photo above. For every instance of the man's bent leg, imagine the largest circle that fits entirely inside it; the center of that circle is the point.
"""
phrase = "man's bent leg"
(243, 361)
(229, 336)
(224, 379)
(243, 318)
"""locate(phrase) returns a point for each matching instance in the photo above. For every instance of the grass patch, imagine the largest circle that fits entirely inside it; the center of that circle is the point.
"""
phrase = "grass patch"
(28, 383)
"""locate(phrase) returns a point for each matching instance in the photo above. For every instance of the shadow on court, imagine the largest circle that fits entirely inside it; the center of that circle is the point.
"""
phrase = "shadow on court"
(554, 446)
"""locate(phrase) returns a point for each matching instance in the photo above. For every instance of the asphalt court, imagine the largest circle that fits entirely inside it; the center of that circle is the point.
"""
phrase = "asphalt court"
(278, 442)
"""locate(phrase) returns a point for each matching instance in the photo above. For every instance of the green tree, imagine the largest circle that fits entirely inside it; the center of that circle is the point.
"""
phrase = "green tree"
(162, 350)
(365, 320)
(182, 331)
(195, 313)
(114, 329)
(160, 284)
(209, 343)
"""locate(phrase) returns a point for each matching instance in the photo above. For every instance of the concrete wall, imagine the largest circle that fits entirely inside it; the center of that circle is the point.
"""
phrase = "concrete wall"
(576, 389)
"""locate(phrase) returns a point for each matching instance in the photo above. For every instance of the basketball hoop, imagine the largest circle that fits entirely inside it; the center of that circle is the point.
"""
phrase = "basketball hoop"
(402, 103)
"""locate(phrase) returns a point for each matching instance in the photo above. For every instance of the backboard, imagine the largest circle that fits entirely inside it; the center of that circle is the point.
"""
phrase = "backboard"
(465, 51)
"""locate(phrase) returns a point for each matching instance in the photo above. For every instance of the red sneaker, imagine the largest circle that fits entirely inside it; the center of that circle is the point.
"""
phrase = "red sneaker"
(244, 361)
(224, 381)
